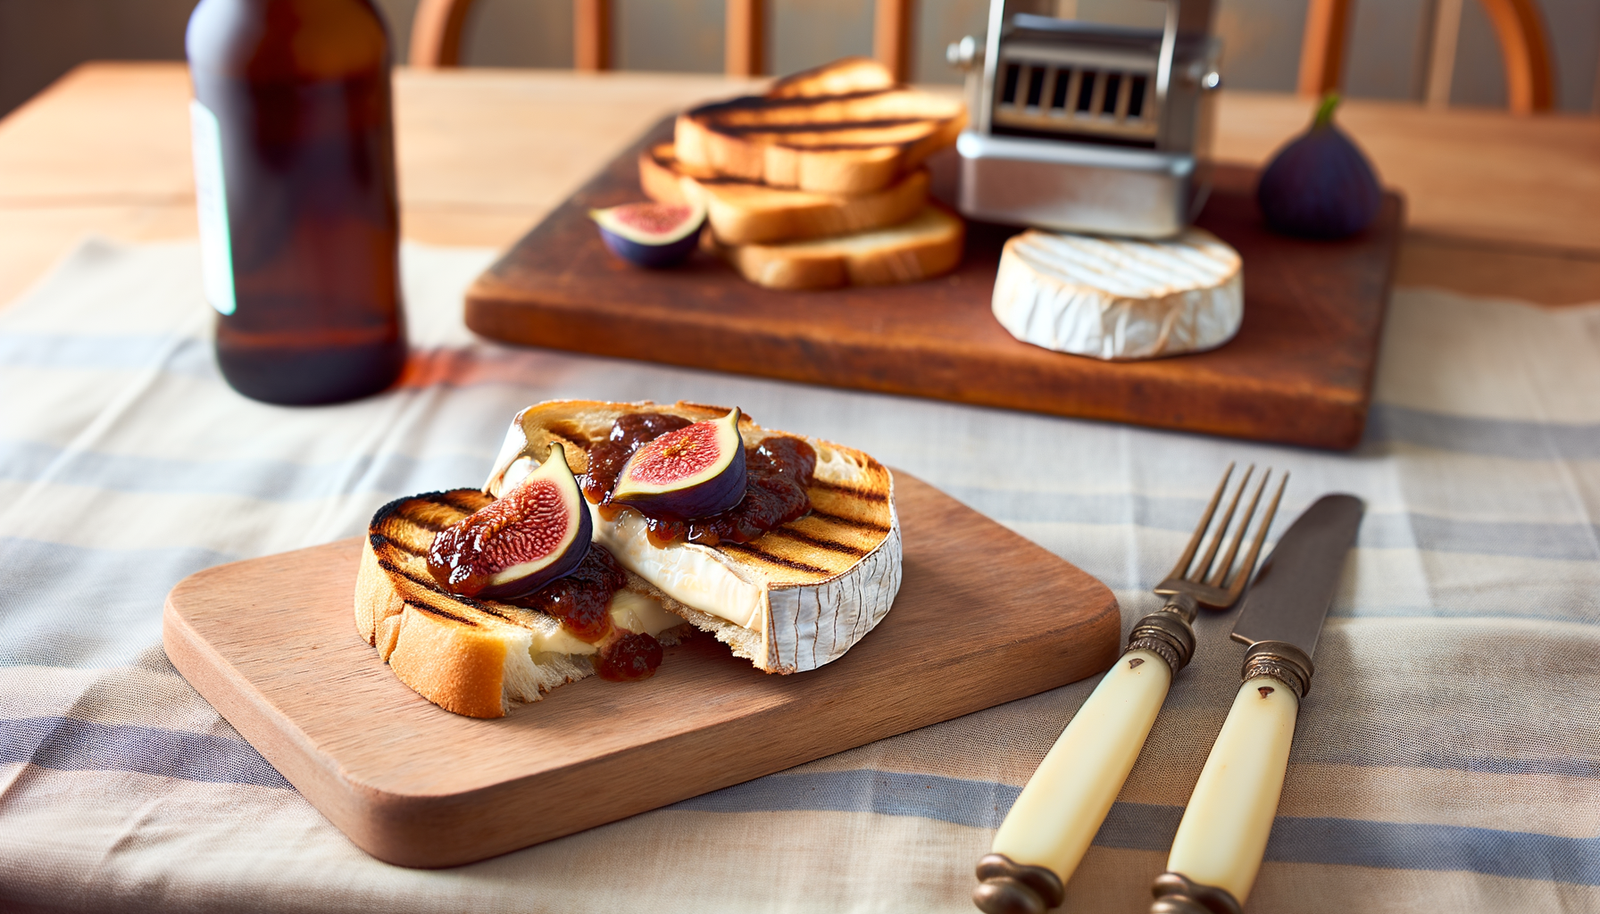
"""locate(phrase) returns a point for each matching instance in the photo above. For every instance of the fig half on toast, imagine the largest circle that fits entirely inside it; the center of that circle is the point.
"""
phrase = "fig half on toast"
(468, 655)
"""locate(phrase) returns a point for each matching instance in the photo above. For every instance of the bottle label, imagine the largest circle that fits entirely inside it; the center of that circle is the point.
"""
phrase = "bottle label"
(211, 199)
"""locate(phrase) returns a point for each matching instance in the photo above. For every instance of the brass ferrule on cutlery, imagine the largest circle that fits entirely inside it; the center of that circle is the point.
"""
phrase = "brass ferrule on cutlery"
(1168, 632)
(1008, 887)
(1177, 894)
(1281, 661)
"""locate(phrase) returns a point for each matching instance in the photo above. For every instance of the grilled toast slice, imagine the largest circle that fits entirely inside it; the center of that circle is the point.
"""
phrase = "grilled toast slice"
(792, 600)
(741, 212)
(833, 129)
(471, 656)
(925, 246)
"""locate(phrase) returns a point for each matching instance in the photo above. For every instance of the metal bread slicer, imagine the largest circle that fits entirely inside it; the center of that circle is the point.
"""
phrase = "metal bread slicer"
(1086, 127)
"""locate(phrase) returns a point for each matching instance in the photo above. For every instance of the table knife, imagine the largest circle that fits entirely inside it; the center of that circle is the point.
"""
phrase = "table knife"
(1223, 834)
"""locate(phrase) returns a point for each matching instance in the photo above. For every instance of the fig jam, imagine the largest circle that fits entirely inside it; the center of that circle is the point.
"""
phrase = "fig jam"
(581, 599)
(630, 658)
(778, 472)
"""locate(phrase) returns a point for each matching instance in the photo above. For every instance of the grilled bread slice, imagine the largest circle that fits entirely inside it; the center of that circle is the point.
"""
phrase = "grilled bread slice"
(742, 212)
(792, 600)
(926, 246)
(470, 656)
(830, 130)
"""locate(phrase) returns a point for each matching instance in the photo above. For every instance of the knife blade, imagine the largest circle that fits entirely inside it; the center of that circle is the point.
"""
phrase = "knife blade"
(1223, 835)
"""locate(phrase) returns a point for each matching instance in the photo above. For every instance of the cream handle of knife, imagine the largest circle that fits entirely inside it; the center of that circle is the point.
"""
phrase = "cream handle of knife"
(1223, 835)
(1059, 812)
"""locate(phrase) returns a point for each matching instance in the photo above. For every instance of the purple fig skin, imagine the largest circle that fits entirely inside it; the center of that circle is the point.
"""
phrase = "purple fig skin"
(711, 497)
(651, 256)
(1320, 185)
(636, 233)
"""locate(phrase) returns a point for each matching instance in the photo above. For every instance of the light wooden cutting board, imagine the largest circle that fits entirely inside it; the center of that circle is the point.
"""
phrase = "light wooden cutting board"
(983, 617)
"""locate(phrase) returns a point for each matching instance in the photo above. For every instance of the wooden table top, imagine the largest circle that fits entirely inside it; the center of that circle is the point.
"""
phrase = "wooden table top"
(1497, 204)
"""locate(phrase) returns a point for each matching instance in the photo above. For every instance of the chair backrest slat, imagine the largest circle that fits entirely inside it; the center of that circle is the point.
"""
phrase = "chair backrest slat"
(1524, 50)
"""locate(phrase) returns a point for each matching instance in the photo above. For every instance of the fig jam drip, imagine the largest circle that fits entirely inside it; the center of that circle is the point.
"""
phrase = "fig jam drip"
(581, 600)
(632, 657)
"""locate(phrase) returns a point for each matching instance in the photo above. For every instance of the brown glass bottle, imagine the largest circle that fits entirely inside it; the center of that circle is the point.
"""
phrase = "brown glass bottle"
(294, 160)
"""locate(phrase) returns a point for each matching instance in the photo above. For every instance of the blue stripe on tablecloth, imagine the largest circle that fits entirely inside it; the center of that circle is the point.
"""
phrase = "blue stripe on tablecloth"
(265, 480)
(285, 481)
(1520, 439)
(182, 355)
(1142, 826)
(1386, 424)
(1519, 539)
(51, 589)
(67, 744)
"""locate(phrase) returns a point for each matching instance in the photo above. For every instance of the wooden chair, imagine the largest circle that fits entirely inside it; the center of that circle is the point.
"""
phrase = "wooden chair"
(436, 33)
(1517, 23)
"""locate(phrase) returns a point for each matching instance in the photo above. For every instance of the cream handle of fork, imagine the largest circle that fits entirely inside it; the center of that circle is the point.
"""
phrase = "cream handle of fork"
(1223, 834)
(1058, 813)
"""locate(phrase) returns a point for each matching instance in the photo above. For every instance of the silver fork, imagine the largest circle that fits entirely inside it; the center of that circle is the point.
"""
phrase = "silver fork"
(1048, 830)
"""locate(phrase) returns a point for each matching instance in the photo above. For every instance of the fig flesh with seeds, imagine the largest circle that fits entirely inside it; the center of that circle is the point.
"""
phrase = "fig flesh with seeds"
(694, 471)
(532, 535)
(651, 235)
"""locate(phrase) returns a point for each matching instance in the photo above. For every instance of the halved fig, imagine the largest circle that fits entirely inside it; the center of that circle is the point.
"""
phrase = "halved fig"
(651, 234)
(694, 471)
(532, 535)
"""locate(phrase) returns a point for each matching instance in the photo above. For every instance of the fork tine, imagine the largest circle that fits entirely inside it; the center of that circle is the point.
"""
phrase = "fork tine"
(1249, 563)
(1181, 569)
(1204, 567)
(1226, 565)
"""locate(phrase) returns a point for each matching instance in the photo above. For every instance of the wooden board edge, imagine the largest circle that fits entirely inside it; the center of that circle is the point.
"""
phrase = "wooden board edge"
(269, 732)
(417, 831)
(1321, 422)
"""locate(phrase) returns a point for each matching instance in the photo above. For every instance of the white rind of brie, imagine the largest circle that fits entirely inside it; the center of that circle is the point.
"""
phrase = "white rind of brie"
(802, 625)
(1119, 299)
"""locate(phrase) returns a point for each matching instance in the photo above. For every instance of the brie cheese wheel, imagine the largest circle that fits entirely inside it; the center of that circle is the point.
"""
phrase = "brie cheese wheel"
(1114, 298)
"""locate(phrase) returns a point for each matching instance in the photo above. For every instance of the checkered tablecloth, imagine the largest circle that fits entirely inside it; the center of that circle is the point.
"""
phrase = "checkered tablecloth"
(1448, 757)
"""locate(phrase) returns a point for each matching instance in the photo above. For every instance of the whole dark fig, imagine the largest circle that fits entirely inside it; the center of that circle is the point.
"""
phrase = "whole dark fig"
(1320, 185)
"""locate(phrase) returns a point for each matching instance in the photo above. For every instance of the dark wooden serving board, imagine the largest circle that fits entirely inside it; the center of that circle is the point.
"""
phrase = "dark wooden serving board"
(983, 617)
(1300, 371)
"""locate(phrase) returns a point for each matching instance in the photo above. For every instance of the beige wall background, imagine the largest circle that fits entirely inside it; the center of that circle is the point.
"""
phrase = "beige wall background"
(1388, 55)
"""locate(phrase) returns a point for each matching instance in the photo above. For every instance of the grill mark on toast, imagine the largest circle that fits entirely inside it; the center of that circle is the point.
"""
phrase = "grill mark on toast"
(863, 494)
(433, 587)
(436, 611)
(460, 499)
(826, 126)
(819, 543)
(849, 521)
(765, 556)
(762, 102)
(431, 526)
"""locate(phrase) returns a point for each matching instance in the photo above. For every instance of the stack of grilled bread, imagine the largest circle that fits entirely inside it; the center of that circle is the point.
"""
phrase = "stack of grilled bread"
(819, 182)
(790, 600)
